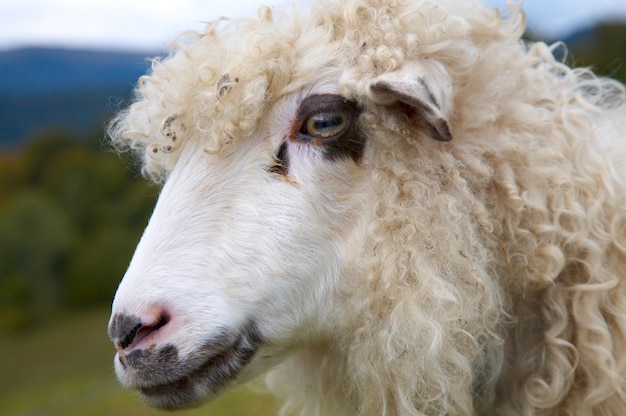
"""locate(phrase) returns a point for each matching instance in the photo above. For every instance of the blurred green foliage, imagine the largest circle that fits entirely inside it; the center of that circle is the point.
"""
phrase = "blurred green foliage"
(604, 50)
(70, 217)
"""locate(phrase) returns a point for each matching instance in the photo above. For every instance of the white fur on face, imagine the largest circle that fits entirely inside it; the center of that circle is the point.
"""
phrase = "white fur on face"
(230, 243)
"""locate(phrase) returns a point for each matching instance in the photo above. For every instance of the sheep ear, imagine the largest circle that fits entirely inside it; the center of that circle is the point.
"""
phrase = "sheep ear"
(425, 87)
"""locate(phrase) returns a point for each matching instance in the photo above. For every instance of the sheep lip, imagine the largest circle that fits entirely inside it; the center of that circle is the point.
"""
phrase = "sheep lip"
(208, 378)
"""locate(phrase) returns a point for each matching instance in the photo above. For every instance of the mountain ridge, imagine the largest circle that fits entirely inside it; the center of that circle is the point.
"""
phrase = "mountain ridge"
(65, 89)
(42, 70)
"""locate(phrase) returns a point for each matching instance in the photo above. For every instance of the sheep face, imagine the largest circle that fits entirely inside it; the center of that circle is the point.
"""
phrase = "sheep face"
(240, 259)
(243, 257)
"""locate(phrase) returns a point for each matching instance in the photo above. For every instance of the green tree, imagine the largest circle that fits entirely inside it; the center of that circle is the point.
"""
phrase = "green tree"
(35, 240)
(70, 216)
(606, 52)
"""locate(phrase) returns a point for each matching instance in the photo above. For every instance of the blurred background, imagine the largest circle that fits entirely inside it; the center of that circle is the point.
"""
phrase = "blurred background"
(71, 212)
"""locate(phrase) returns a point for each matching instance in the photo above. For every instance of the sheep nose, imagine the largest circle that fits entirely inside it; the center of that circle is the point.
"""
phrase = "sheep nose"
(128, 330)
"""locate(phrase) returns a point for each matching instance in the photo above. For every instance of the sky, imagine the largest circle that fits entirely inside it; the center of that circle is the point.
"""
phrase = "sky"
(151, 24)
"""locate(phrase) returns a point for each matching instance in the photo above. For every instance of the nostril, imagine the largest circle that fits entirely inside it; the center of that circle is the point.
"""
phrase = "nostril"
(145, 330)
(128, 330)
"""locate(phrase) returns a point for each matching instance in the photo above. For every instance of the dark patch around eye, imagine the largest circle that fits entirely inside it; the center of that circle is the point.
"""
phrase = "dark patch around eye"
(349, 142)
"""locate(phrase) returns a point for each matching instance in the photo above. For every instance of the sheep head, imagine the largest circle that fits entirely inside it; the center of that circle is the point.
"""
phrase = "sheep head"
(266, 153)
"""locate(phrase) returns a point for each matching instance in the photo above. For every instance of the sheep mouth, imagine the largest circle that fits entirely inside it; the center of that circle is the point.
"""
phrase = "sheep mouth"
(206, 379)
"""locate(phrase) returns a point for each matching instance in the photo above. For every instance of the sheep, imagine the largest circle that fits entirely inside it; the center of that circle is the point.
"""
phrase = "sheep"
(383, 207)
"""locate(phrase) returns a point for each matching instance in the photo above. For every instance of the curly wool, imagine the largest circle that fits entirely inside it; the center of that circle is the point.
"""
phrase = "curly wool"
(492, 277)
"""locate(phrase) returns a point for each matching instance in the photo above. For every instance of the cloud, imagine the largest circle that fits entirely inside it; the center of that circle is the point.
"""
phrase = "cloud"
(130, 24)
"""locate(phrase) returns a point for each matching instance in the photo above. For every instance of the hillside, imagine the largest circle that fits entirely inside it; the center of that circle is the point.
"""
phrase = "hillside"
(51, 381)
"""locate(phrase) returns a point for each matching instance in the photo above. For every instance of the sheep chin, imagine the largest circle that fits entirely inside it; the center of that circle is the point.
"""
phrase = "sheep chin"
(219, 372)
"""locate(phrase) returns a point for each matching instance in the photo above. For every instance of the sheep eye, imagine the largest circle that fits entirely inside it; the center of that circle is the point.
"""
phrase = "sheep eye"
(324, 119)
(325, 125)
(330, 122)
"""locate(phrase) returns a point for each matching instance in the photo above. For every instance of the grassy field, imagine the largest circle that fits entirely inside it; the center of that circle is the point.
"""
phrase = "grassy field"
(66, 369)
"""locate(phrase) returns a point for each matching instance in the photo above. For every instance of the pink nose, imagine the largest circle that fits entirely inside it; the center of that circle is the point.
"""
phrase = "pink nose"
(127, 331)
